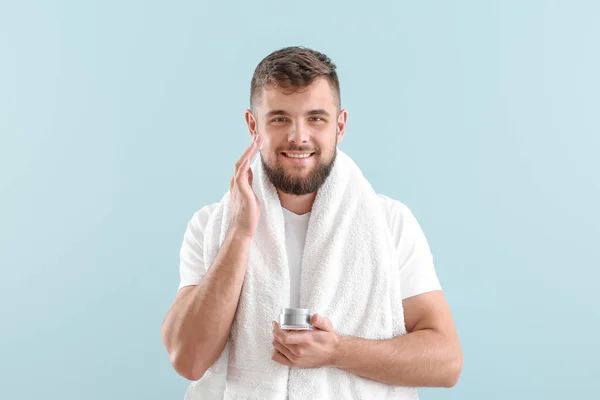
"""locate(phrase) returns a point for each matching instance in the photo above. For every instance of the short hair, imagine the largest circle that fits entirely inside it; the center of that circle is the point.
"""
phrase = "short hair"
(293, 67)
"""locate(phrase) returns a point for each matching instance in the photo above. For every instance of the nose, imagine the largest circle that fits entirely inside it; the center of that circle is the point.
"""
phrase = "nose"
(299, 134)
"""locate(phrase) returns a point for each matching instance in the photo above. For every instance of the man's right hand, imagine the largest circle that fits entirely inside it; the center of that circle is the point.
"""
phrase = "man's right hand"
(245, 207)
(197, 327)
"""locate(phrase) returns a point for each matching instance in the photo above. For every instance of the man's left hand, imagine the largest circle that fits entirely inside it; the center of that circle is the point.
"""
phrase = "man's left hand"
(306, 349)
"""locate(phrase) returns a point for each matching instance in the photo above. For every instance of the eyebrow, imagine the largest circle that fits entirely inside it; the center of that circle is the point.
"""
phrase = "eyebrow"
(276, 112)
(319, 111)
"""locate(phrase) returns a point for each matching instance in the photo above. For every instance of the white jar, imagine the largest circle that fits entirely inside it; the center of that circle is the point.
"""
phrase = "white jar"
(295, 319)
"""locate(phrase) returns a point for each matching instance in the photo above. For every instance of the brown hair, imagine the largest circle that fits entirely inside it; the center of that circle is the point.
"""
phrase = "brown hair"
(293, 67)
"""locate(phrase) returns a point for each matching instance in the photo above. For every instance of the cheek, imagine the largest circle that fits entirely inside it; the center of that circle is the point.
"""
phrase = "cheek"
(268, 152)
(267, 141)
(326, 148)
(272, 147)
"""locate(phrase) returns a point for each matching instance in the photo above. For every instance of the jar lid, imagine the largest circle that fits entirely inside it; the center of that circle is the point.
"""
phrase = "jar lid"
(294, 310)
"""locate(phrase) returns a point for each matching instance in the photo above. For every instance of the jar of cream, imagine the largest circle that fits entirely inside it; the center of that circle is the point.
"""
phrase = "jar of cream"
(295, 319)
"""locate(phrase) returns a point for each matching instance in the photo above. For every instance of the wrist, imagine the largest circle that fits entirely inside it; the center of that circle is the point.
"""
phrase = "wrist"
(339, 352)
(237, 235)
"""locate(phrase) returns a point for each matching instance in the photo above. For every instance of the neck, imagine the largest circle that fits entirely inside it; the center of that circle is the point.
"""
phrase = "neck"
(297, 204)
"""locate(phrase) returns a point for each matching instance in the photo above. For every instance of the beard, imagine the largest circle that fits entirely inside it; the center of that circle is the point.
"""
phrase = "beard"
(300, 185)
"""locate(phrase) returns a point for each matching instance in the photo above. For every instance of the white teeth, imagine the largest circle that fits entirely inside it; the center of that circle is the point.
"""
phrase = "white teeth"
(298, 155)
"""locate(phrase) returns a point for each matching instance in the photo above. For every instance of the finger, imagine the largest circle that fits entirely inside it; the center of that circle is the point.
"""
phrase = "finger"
(284, 351)
(253, 151)
(290, 337)
(259, 142)
(291, 351)
(280, 358)
(250, 176)
(279, 333)
(321, 323)
(249, 150)
(253, 148)
(241, 174)
(243, 164)
(238, 165)
(293, 338)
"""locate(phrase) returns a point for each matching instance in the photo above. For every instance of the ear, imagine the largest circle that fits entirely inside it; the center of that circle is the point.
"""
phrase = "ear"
(251, 122)
(341, 125)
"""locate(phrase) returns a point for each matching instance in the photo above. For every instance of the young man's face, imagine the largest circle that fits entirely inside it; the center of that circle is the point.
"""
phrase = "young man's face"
(303, 123)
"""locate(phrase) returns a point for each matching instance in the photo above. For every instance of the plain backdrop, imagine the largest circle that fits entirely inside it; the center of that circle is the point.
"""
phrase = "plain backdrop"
(119, 119)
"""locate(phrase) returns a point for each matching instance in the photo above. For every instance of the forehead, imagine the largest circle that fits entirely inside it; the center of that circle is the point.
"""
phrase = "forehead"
(318, 94)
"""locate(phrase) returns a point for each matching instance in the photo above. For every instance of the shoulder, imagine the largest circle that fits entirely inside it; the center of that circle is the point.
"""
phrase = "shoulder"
(415, 261)
(205, 211)
(200, 218)
(402, 222)
(396, 212)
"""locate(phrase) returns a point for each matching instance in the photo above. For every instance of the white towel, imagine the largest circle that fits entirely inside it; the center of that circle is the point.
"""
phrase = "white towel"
(350, 275)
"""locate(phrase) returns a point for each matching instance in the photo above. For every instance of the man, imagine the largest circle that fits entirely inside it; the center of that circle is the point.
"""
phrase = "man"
(296, 121)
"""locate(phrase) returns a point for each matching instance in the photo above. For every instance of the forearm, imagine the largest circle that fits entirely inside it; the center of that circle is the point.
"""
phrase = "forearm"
(418, 359)
(196, 328)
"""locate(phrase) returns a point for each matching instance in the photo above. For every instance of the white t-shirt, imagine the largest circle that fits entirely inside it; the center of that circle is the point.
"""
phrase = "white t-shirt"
(417, 271)
(296, 227)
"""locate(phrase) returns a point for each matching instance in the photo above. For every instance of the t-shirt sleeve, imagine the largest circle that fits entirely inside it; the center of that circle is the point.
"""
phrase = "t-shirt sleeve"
(191, 254)
(417, 270)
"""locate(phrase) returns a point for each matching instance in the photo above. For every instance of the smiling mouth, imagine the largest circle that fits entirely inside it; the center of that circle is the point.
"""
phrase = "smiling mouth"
(297, 156)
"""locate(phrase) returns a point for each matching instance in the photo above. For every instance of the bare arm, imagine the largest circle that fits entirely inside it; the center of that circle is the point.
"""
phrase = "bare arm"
(197, 326)
(428, 355)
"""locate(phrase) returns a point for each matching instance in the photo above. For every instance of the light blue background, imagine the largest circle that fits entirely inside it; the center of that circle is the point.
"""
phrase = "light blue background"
(119, 119)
